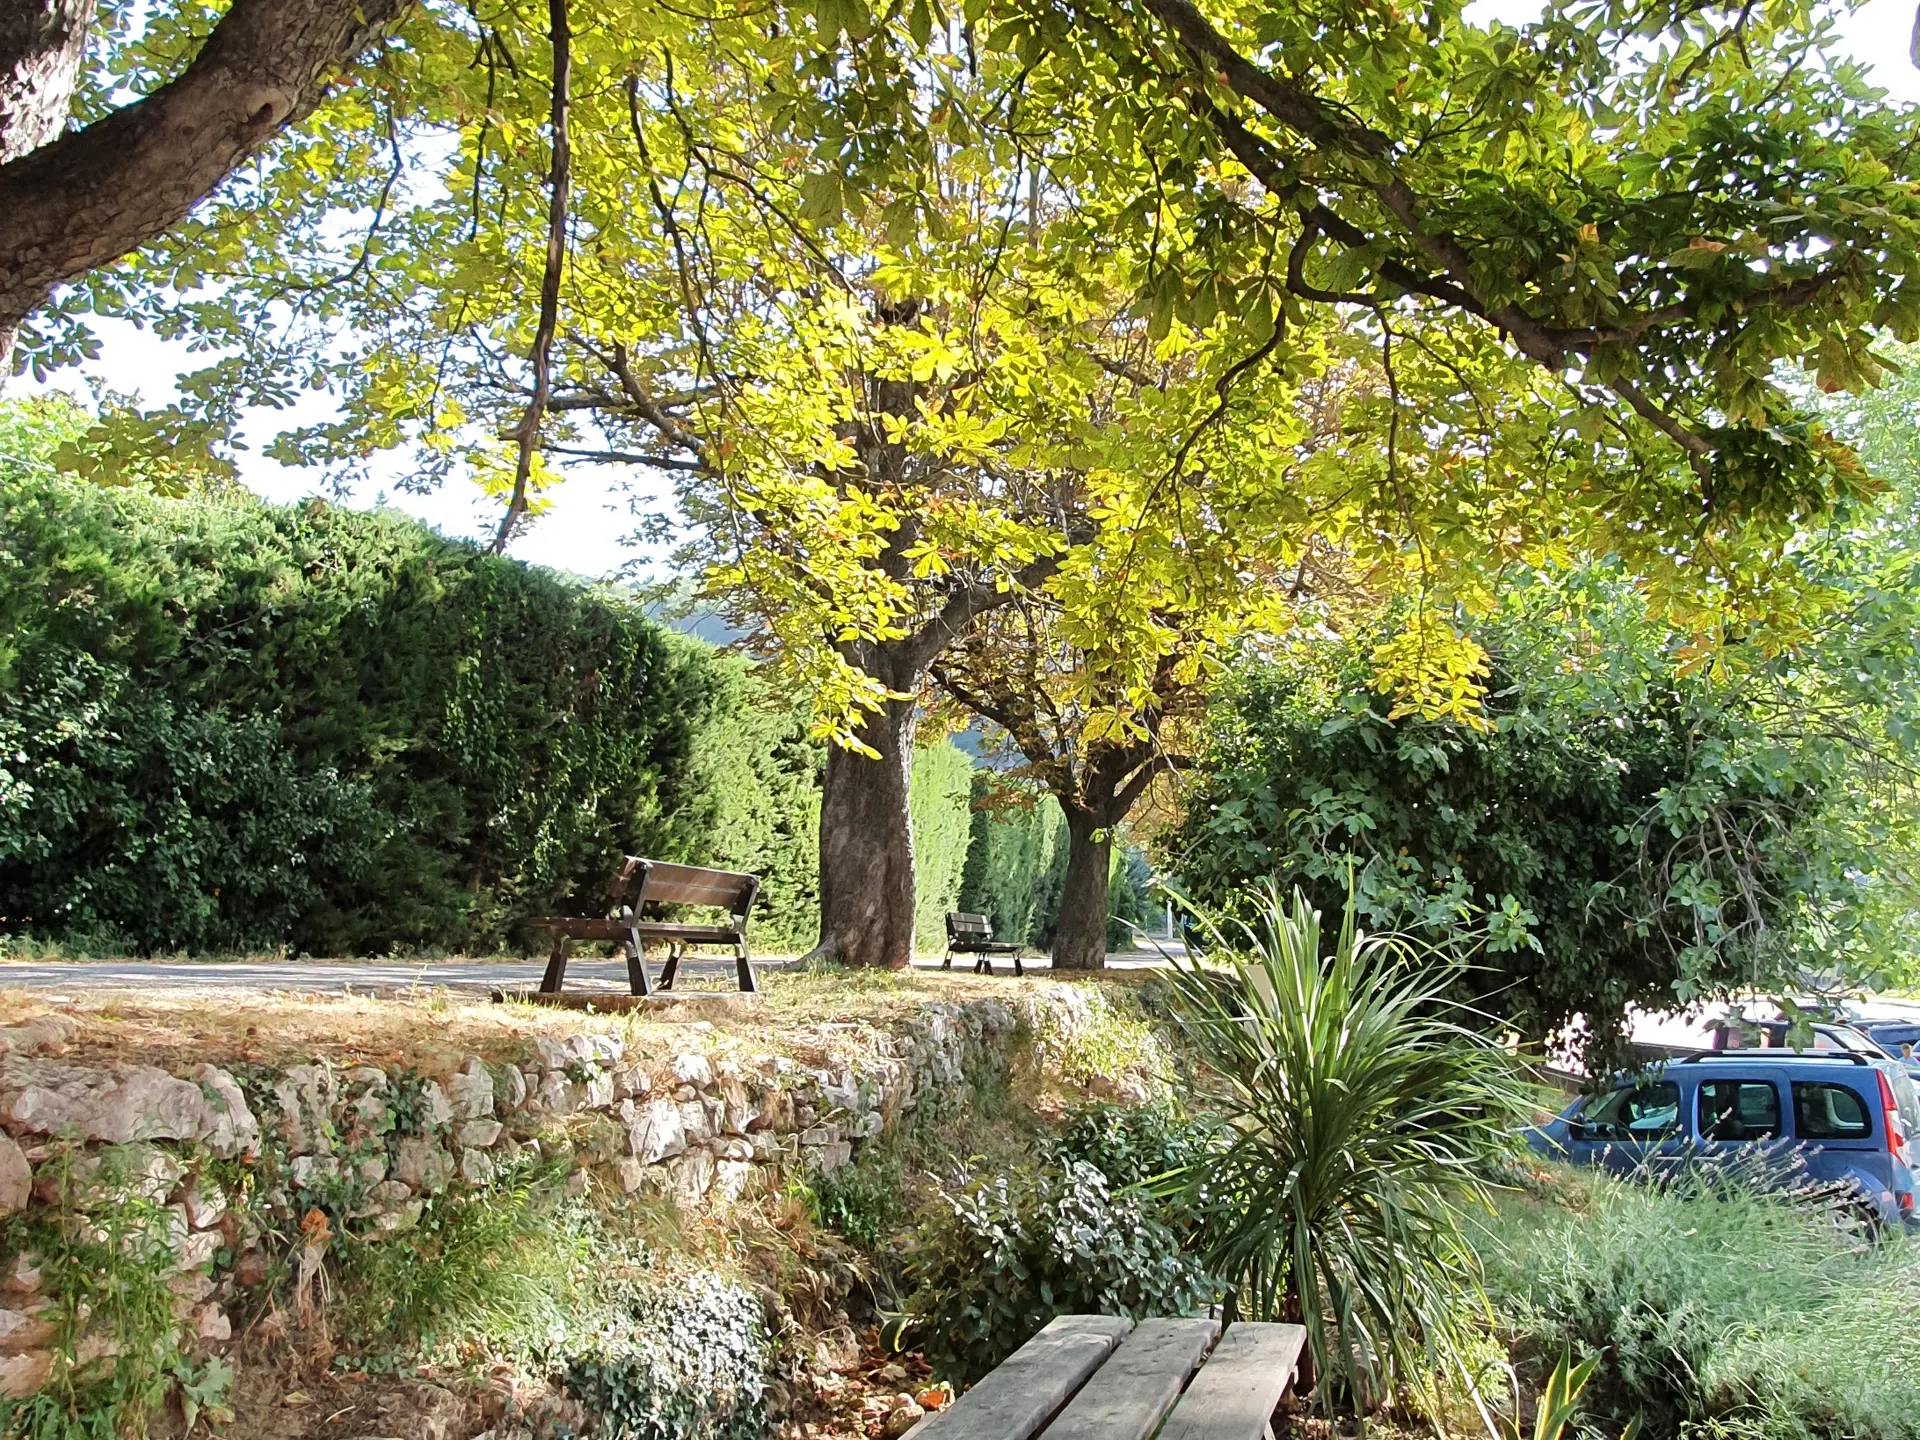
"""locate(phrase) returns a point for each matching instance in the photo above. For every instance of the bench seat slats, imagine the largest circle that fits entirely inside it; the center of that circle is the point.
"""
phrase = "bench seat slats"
(1126, 1399)
(1235, 1393)
(1029, 1386)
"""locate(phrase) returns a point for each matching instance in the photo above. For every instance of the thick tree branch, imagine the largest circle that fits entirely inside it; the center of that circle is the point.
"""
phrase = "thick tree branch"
(92, 195)
(559, 182)
(967, 603)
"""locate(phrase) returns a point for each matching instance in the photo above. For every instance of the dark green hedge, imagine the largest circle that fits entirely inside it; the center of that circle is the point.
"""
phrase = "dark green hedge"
(227, 725)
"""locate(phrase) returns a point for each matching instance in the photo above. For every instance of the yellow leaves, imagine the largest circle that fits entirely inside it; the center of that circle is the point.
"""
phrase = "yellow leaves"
(492, 464)
(1433, 672)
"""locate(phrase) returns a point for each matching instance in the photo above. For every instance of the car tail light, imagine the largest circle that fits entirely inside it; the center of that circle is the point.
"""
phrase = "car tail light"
(1890, 1119)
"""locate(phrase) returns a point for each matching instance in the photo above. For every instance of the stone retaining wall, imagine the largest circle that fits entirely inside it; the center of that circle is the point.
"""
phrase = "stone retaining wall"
(235, 1157)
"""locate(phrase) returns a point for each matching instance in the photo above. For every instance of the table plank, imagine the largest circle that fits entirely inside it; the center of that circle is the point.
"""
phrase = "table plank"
(1235, 1393)
(1127, 1397)
(1028, 1388)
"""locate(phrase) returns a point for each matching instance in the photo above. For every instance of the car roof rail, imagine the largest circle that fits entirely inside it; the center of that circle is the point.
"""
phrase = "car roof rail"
(1775, 1052)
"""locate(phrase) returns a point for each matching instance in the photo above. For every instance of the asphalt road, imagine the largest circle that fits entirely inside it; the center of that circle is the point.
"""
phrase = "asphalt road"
(338, 975)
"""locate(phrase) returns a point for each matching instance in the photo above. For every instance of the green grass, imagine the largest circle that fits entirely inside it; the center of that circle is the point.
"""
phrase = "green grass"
(1716, 1314)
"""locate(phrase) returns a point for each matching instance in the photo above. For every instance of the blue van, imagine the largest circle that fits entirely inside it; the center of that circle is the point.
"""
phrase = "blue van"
(1842, 1116)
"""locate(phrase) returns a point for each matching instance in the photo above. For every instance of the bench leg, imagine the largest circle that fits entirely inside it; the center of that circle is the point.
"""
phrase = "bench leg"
(947, 964)
(637, 965)
(673, 965)
(983, 966)
(1017, 968)
(557, 964)
(749, 982)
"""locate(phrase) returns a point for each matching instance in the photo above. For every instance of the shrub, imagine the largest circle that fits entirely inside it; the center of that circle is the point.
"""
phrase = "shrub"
(1016, 830)
(228, 725)
(675, 1360)
(1361, 1105)
(1016, 1250)
(864, 1201)
(1719, 1312)
(1132, 1144)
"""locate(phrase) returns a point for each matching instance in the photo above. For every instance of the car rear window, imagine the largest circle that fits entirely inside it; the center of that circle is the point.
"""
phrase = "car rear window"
(1739, 1110)
(1829, 1112)
(1645, 1112)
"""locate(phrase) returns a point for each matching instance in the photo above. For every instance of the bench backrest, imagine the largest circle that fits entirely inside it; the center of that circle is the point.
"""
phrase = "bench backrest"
(962, 926)
(660, 882)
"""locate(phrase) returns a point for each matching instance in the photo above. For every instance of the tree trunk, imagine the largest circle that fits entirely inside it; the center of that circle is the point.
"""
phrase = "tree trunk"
(1080, 934)
(41, 42)
(80, 200)
(866, 847)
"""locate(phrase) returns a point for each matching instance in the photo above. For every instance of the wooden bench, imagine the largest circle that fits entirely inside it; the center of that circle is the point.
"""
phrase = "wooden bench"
(639, 893)
(1094, 1377)
(973, 935)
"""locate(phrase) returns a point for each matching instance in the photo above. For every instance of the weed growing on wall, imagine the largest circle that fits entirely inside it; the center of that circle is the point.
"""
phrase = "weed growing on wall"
(114, 1335)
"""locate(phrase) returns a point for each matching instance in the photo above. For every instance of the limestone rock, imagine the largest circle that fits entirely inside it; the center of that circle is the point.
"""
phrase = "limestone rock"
(305, 1097)
(695, 1121)
(422, 1165)
(607, 1049)
(16, 1176)
(135, 1102)
(107, 1176)
(692, 1178)
(22, 1275)
(231, 1129)
(693, 1070)
(22, 1375)
(400, 1218)
(472, 1089)
(731, 1179)
(310, 1170)
(39, 1033)
(599, 1091)
(477, 1134)
(516, 1085)
(25, 1329)
(631, 1173)
(556, 1094)
(206, 1204)
(558, 1054)
(212, 1325)
(434, 1102)
(733, 1147)
(476, 1167)
(658, 1133)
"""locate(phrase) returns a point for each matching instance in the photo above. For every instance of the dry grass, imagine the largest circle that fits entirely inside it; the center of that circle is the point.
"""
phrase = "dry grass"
(814, 1018)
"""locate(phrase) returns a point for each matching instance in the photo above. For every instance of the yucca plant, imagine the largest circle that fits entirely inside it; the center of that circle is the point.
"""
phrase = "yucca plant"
(1363, 1101)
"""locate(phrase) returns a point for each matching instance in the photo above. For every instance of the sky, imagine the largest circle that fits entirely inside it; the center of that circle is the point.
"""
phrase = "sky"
(587, 529)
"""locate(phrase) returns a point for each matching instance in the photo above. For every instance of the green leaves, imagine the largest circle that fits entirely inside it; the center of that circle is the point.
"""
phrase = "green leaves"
(1361, 1102)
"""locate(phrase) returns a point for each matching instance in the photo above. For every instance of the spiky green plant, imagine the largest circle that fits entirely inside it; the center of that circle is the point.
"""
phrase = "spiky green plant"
(1363, 1102)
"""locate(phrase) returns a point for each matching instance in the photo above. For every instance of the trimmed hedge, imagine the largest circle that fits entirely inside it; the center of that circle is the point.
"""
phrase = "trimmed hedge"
(230, 726)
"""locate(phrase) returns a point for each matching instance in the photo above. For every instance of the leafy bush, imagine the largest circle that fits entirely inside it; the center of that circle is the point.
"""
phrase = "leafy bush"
(866, 1200)
(1361, 1104)
(227, 725)
(675, 1360)
(1719, 1312)
(1132, 1144)
(1016, 1250)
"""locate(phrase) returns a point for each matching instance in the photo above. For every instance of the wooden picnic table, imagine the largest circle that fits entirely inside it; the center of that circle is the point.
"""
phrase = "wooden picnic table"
(1095, 1377)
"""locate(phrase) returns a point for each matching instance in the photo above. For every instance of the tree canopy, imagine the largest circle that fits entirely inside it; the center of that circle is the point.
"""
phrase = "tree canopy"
(926, 309)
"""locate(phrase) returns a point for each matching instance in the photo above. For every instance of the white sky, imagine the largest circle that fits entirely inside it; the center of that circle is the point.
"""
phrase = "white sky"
(587, 529)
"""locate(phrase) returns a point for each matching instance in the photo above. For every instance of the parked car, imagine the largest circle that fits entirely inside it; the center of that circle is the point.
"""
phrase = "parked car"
(1826, 1035)
(1837, 1115)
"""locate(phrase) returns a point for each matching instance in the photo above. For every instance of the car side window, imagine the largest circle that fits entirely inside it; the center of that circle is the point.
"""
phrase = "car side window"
(1739, 1110)
(1829, 1112)
(1643, 1112)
